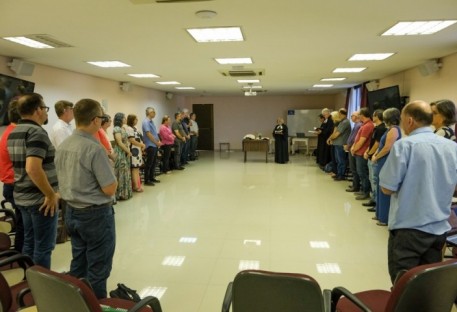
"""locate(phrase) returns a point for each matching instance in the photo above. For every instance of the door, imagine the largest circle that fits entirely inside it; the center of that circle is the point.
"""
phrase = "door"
(204, 119)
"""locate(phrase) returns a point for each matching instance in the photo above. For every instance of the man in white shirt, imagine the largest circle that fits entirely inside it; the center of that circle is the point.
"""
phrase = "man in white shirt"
(193, 127)
(62, 129)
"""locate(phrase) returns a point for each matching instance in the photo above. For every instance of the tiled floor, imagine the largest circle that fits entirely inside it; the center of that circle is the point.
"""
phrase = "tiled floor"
(186, 238)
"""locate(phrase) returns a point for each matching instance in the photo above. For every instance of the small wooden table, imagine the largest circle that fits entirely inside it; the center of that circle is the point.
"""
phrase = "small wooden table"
(255, 146)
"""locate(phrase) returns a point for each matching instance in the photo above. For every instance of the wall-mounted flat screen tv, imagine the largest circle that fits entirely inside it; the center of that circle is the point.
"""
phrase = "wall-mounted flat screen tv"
(384, 98)
(9, 88)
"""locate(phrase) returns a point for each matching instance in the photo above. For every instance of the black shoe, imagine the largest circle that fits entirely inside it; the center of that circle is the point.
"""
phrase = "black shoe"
(372, 209)
(369, 204)
(155, 181)
(363, 197)
(351, 189)
(180, 168)
(150, 183)
(339, 179)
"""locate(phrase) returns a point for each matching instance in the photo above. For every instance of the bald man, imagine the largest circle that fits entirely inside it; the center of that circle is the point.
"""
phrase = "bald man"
(420, 174)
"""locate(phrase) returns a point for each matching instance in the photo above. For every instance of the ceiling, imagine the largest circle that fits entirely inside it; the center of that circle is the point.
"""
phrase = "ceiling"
(295, 42)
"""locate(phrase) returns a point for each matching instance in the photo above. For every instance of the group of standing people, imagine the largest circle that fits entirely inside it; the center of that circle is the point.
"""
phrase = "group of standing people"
(77, 169)
(405, 163)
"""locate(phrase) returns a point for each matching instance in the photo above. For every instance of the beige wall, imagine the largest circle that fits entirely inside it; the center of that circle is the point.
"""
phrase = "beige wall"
(56, 84)
(236, 116)
(440, 85)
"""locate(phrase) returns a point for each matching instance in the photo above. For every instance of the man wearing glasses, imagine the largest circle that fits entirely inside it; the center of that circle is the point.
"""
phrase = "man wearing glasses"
(35, 186)
(89, 215)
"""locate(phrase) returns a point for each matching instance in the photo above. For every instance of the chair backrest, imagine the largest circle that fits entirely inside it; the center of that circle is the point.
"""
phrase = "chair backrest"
(431, 287)
(5, 295)
(255, 290)
(53, 291)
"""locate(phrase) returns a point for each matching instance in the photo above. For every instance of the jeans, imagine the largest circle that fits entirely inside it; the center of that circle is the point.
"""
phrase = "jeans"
(93, 240)
(19, 226)
(185, 151)
(151, 163)
(177, 153)
(193, 146)
(40, 233)
(373, 176)
(362, 170)
(340, 156)
(355, 176)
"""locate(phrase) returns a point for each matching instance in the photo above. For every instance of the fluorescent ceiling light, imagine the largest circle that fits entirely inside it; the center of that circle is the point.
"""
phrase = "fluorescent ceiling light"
(29, 42)
(417, 28)
(349, 70)
(252, 87)
(144, 75)
(234, 61)
(370, 56)
(333, 79)
(249, 81)
(185, 88)
(168, 82)
(216, 34)
(109, 64)
(322, 86)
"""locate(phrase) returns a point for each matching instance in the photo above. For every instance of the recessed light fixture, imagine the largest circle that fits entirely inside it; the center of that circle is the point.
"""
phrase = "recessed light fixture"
(216, 34)
(168, 82)
(234, 61)
(248, 81)
(417, 28)
(109, 64)
(28, 42)
(333, 79)
(322, 86)
(349, 70)
(370, 56)
(185, 88)
(144, 75)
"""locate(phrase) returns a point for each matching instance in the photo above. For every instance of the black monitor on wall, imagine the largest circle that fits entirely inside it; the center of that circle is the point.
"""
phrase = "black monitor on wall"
(9, 88)
(384, 98)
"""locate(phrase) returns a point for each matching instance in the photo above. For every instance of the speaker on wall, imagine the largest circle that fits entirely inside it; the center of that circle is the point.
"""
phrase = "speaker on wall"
(429, 67)
(125, 86)
(372, 85)
(21, 67)
(169, 95)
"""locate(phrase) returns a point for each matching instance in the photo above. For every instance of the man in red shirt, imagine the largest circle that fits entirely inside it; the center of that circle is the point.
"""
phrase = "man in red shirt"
(7, 173)
(361, 144)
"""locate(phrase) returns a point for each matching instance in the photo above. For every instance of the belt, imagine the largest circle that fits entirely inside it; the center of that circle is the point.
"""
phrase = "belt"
(93, 207)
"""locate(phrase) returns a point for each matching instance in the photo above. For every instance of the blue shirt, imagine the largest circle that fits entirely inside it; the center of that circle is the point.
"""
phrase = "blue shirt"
(422, 171)
(148, 126)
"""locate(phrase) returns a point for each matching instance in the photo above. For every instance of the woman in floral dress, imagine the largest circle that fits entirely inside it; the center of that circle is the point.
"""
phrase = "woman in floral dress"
(123, 154)
(136, 148)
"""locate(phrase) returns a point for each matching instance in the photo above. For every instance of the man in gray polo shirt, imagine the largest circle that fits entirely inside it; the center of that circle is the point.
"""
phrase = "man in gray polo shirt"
(87, 185)
(339, 138)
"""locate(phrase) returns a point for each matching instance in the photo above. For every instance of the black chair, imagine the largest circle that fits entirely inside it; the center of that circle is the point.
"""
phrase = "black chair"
(426, 288)
(263, 291)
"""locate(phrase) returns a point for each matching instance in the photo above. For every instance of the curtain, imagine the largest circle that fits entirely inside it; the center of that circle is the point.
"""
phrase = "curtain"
(354, 100)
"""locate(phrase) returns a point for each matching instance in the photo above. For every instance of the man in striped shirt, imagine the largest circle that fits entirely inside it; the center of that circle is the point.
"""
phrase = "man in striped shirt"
(35, 178)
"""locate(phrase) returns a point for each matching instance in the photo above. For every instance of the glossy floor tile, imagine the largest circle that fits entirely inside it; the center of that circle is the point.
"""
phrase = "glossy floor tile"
(184, 239)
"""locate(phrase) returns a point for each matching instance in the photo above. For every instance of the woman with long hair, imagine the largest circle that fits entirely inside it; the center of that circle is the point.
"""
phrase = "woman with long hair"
(136, 148)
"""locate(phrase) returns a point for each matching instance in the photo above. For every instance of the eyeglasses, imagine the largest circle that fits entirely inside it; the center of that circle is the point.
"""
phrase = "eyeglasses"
(45, 108)
(101, 117)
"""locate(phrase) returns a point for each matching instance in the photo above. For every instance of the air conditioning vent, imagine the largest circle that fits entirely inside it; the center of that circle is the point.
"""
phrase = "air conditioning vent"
(243, 73)
(46, 39)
